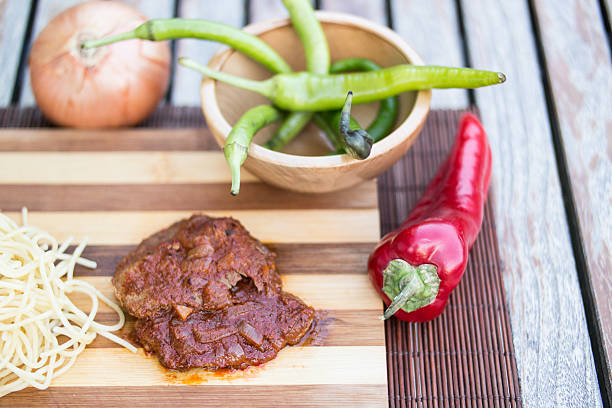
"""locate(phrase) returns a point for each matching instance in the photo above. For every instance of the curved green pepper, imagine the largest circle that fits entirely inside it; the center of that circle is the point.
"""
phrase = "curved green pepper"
(317, 60)
(160, 29)
(304, 91)
(238, 141)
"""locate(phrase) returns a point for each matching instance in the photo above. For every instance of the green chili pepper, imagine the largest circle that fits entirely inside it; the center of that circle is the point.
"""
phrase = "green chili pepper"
(291, 126)
(388, 109)
(304, 91)
(160, 29)
(385, 119)
(317, 61)
(311, 34)
(238, 141)
(325, 123)
(328, 121)
(357, 142)
(353, 64)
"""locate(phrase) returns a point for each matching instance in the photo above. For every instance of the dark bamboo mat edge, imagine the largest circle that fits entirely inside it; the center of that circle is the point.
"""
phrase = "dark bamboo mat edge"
(466, 356)
(165, 116)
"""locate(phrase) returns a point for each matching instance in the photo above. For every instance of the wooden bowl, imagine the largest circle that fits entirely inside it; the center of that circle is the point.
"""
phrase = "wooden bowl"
(303, 165)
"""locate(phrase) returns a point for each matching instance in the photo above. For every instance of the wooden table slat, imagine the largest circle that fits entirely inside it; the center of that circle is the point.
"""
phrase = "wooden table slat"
(163, 196)
(432, 29)
(13, 25)
(185, 89)
(578, 64)
(130, 139)
(352, 292)
(354, 396)
(261, 10)
(340, 258)
(374, 10)
(550, 336)
(270, 226)
(607, 8)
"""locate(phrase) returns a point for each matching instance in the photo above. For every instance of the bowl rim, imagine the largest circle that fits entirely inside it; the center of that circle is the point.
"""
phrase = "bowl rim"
(412, 123)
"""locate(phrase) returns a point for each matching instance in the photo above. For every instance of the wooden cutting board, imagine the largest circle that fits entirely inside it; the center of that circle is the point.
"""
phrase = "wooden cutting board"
(118, 187)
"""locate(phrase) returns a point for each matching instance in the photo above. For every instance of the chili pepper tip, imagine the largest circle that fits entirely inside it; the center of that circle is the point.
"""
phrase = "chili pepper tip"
(235, 154)
(358, 142)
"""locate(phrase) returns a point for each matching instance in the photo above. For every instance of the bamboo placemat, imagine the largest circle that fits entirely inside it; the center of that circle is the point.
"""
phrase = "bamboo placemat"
(463, 358)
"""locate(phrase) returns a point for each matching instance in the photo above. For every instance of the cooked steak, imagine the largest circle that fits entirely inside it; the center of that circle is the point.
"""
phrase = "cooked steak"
(192, 265)
(250, 332)
(207, 294)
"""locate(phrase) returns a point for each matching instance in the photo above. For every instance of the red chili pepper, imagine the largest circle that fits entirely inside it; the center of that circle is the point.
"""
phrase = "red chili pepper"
(419, 264)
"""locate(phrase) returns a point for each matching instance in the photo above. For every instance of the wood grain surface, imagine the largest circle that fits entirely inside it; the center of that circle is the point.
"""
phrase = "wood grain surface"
(139, 140)
(225, 395)
(374, 10)
(553, 350)
(607, 9)
(432, 29)
(130, 227)
(152, 197)
(322, 241)
(13, 25)
(262, 10)
(184, 89)
(578, 64)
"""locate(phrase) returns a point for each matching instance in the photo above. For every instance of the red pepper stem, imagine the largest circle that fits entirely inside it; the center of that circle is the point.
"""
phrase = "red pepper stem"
(410, 287)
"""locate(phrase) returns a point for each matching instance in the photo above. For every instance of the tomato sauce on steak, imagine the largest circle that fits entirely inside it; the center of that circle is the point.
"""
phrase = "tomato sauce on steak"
(250, 332)
(207, 294)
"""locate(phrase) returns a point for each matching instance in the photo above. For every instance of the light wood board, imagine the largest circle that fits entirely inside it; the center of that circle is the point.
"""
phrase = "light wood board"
(322, 242)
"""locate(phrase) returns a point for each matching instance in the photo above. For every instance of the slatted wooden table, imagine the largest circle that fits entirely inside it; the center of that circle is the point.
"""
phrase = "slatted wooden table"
(550, 128)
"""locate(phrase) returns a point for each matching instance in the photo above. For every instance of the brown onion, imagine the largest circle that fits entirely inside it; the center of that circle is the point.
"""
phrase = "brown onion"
(115, 85)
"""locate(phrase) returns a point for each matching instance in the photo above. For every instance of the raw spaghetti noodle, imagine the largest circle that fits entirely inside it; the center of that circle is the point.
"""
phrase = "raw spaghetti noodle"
(41, 330)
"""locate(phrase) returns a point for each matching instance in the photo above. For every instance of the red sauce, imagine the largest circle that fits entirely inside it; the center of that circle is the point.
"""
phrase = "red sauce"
(200, 376)
(207, 295)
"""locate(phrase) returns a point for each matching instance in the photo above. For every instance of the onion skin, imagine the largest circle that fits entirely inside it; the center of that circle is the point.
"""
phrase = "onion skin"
(115, 85)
